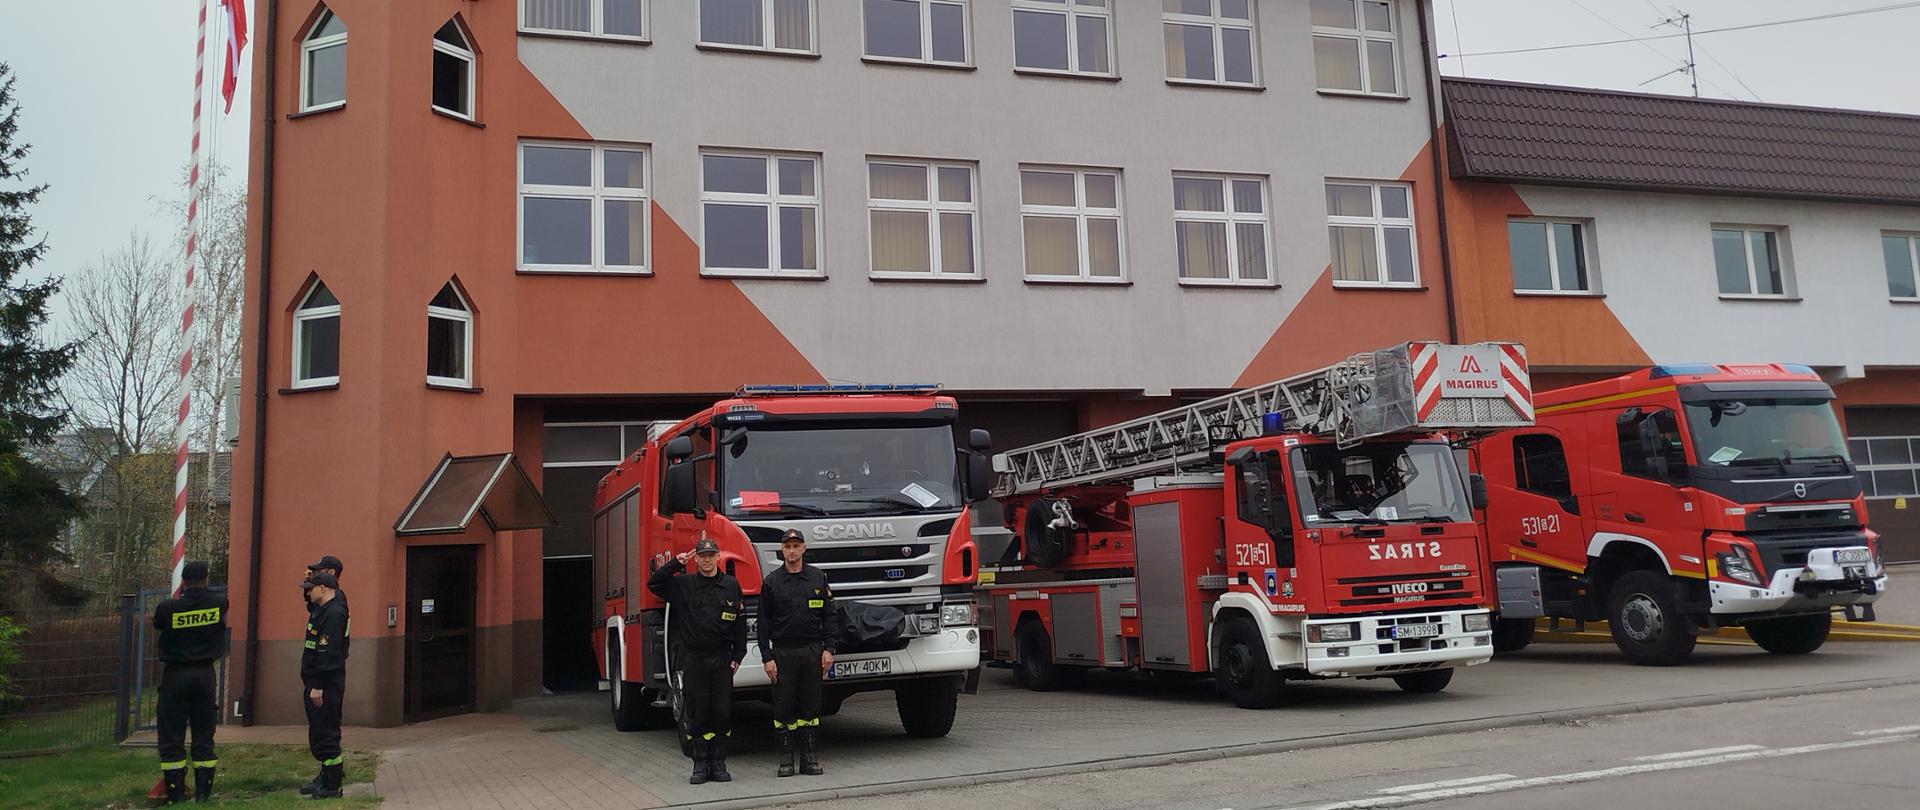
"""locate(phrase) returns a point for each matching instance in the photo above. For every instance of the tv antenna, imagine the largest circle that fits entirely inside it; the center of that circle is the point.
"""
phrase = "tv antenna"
(1684, 22)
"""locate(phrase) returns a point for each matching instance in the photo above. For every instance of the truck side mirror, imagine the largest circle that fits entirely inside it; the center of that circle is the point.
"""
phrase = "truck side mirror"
(679, 487)
(979, 478)
(679, 448)
(979, 440)
(1477, 490)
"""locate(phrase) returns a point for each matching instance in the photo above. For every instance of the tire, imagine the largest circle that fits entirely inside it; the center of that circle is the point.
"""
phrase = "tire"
(1512, 635)
(1036, 669)
(927, 708)
(1044, 547)
(1791, 635)
(830, 704)
(632, 703)
(1424, 683)
(1646, 622)
(1244, 673)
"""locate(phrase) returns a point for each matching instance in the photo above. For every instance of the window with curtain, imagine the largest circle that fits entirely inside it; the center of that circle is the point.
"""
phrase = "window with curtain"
(1210, 41)
(612, 19)
(1220, 228)
(1370, 228)
(449, 339)
(922, 219)
(1748, 261)
(1355, 46)
(768, 25)
(453, 71)
(323, 64)
(1063, 36)
(316, 339)
(1902, 254)
(930, 31)
(1548, 256)
(1071, 224)
(583, 207)
(759, 213)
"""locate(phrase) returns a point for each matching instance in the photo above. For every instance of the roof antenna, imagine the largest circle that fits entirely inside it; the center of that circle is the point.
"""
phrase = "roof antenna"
(1684, 22)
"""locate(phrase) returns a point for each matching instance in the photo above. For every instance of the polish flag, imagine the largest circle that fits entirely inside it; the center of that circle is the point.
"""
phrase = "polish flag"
(236, 42)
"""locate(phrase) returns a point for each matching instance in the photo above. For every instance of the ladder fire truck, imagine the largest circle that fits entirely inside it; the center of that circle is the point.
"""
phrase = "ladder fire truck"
(1319, 526)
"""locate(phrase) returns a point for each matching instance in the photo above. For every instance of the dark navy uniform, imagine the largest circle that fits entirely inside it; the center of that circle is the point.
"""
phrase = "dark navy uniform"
(193, 636)
(708, 632)
(797, 622)
(323, 666)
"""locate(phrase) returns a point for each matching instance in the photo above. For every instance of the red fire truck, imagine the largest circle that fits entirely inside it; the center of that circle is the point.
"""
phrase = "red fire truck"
(1315, 527)
(1678, 499)
(871, 476)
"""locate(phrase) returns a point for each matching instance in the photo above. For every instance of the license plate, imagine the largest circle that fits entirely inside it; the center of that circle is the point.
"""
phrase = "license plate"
(1416, 630)
(1844, 556)
(860, 669)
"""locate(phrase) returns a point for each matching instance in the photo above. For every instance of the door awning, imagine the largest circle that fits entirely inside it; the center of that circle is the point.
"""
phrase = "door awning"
(492, 486)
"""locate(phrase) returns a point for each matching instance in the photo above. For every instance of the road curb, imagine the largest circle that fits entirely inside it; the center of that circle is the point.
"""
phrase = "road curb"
(1304, 743)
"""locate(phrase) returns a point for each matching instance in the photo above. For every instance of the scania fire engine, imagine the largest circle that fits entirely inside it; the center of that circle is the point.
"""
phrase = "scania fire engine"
(868, 473)
(1678, 499)
(1320, 526)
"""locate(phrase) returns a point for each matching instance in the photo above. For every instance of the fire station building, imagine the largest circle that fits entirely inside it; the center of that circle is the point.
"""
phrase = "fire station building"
(493, 239)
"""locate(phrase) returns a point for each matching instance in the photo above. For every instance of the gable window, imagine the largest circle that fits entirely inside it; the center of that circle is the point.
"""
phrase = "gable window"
(323, 65)
(453, 71)
(1748, 262)
(763, 25)
(1902, 252)
(1548, 256)
(932, 31)
(316, 339)
(922, 219)
(760, 213)
(1220, 228)
(1370, 226)
(1354, 46)
(1210, 41)
(449, 339)
(1063, 36)
(613, 19)
(1070, 223)
(583, 208)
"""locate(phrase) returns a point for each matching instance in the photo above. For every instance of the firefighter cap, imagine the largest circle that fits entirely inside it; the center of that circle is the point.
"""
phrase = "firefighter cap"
(326, 580)
(194, 571)
(328, 561)
(706, 546)
(793, 536)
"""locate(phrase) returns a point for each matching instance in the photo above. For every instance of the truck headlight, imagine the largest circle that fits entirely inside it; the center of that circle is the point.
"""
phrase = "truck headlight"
(1319, 633)
(1478, 622)
(1739, 567)
(956, 613)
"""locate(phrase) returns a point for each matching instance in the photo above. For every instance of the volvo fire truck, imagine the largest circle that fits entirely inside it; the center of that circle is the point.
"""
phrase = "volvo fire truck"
(1320, 526)
(868, 473)
(1676, 500)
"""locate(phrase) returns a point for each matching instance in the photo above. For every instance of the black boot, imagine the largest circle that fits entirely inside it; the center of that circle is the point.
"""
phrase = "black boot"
(176, 780)
(698, 751)
(330, 778)
(717, 760)
(808, 764)
(786, 752)
(202, 784)
(313, 784)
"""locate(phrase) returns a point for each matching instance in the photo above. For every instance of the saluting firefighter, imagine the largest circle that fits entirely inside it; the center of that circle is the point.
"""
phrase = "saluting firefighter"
(709, 638)
(798, 629)
(331, 565)
(193, 635)
(323, 673)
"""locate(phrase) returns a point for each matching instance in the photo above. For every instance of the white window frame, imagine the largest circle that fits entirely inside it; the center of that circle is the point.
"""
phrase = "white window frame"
(1080, 212)
(933, 207)
(1913, 262)
(472, 59)
(1362, 36)
(596, 29)
(302, 314)
(1378, 222)
(309, 45)
(1233, 219)
(773, 201)
(465, 318)
(1073, 12)
(926, 35)
(1218, 23)
(1553, 257)
(1788, 290)
(766, 32)
(596, 194)
(1865, 467)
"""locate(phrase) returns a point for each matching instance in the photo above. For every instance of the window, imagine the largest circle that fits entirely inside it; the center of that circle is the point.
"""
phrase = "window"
(316, 339)
(745, 24)
(1063, 36)
(933, 31)
(1210, 41)
(323, 65)
(1220, 228)
(1370, 226)
(1887, 466)
(614, 19)
(759, 213)
(922, 218)
(1902, 251)
(1650, 444)
(1354, 46)
(1548, 256)
(1070, 222)
(449, 339)
(1747, 261)
(583, 208)
(453, 63)
(1540, 467)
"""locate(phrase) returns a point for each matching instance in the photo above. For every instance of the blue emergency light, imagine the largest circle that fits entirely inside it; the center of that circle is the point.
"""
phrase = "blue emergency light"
(1272, 423)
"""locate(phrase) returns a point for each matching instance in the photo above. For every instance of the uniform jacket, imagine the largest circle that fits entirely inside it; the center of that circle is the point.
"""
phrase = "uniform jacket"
(707, 613)
(324, 660)
(193, 626)
(797, 610)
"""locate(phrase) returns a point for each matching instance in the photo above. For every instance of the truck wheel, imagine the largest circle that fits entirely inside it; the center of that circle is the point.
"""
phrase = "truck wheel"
(830, 704)
(1791, 635)
(927, 707)
(1646, 621)
(1244, 672)
(1036, 670)
(1045, 547)
(1512, 635)
(1425, 683)
(632, 703)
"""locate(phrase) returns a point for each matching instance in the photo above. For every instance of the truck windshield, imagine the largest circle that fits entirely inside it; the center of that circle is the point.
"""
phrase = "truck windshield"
(1385, 482)
(1754, 432)
(839, 471)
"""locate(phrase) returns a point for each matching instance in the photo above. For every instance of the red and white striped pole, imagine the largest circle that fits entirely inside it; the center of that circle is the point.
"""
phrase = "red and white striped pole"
(182, 431)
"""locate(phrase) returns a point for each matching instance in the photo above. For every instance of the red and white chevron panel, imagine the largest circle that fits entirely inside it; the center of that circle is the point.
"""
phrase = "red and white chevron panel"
(1478, 371)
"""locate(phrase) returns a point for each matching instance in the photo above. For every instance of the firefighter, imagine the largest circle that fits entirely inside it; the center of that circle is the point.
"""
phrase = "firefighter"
(193, 635)
(331, 565)
(323, 673)
(709, 638)
(798, 628)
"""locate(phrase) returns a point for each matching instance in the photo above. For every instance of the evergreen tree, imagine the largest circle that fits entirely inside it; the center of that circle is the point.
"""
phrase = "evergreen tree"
(29, 370)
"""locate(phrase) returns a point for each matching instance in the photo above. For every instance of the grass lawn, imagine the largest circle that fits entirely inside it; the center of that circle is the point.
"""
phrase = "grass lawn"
(74, 725)
(254, 776)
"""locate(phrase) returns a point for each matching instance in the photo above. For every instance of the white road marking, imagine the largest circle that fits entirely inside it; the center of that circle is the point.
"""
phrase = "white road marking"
(1895, 730)
(1603, 773)
(1704, 752)
(1471, 780)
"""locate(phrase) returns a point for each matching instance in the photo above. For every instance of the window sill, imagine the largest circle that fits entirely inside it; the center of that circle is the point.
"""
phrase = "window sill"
(308, 389)
(1066, 74)
(1555, 294)
(316, 111)
(1904, 300)
(949, 278)
(1226, 284)
(1790, 299)
(457, 117)
(1362, 94)
(1364, 287)
(460, 389)
(918, 63)
(751, 51)
(1254, 88)
(584, 271)
(762, 275)
(1082, 282)
(579, 35)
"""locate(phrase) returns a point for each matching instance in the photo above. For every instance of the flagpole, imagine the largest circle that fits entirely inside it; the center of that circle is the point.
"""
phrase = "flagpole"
(181, 429)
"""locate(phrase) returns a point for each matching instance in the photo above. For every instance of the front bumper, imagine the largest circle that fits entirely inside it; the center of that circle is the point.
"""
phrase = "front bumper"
(1375, 652)
(952, 651)
(1821, 585)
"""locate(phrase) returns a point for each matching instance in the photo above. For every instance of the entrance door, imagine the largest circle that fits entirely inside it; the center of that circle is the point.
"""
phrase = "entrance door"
(440, 631)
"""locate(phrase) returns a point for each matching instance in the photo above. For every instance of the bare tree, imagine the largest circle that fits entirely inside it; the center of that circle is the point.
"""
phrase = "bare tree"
(219, 296)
